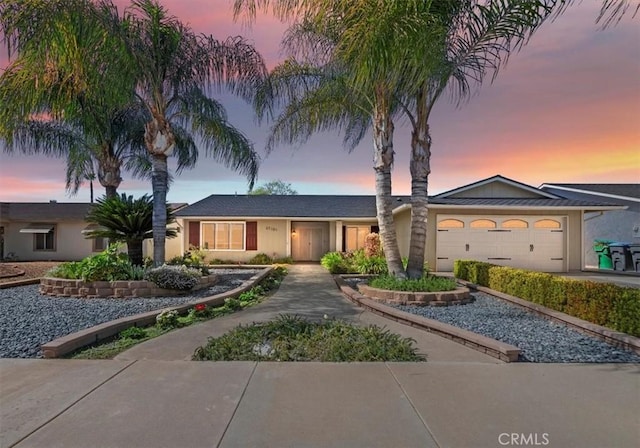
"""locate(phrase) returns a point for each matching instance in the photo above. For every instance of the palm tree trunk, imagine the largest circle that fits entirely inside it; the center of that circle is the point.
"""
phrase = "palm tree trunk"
(420, 168)
(134, 249)
(159, 182)
(382, 163)
(109, 174)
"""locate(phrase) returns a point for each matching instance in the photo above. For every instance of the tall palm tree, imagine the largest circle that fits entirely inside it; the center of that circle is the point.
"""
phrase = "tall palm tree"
(174, 71)
(399, 56)
(66, 96)
(123, 219)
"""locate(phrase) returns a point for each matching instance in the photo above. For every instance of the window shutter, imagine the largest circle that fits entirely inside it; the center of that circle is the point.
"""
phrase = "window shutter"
(194, 233)
(375, 229)
(252, 236)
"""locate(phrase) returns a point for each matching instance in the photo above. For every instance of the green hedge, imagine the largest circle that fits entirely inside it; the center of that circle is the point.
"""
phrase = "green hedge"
(604, 304)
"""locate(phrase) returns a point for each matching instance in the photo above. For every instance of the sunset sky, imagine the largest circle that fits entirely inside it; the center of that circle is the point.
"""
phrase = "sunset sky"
(565, 109)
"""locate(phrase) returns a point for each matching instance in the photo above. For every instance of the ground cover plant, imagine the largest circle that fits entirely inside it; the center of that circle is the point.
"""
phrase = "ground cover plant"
(168, 320)
(292, 338)
(428, 283)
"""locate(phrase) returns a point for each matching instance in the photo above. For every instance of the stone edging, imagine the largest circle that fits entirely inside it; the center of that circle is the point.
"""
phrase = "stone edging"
(60, 287)
(26, 281)
(496, 349)
(608, 335)
(459, 296)
(69, 343)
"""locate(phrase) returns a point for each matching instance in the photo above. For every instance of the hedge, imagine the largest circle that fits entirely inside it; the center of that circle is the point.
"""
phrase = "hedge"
(603, 304)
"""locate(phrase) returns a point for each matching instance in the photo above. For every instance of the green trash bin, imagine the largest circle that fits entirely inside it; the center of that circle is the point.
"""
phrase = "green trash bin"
(601, 247)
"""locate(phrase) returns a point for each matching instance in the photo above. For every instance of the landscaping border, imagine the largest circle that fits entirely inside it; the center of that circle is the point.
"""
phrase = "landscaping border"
(496, 349)
(71, 342)
(615, 338)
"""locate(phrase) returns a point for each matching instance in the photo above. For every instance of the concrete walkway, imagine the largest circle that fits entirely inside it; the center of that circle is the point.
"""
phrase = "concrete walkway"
(152, 397)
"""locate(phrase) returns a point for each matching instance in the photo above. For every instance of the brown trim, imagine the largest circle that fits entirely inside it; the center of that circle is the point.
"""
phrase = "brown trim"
(194, 234)
(251, 242)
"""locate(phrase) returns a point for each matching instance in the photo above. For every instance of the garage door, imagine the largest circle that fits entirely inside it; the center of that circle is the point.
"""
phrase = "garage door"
(530, 242)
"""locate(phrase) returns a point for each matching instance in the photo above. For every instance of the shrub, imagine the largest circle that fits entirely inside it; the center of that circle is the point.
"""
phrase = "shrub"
(180, 278)
(283, 260)
(336, 263)
(372, 245)
(133, 333)
(109, 265)
(261, 259)
(604, 304)
(424, 284)
(375, 265)
(291, 338)
(167, 319)
(193, 258)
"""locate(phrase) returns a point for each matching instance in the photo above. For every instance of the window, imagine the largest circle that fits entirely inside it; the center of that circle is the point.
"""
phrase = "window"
(450, 224)
(547, 224)
(515, 224)
(356, 236)
(100, 244)
(483, 224)
(223, 235)
(44, 241)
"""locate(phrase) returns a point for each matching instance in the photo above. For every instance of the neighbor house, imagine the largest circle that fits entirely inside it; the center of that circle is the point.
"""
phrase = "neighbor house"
(497, 220)
(616, 225)
(53, 231)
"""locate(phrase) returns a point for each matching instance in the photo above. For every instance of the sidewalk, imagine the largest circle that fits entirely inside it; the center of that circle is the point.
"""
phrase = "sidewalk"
(152, 397)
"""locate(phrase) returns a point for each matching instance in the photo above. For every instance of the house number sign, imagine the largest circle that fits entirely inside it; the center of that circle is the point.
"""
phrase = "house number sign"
(271, 229)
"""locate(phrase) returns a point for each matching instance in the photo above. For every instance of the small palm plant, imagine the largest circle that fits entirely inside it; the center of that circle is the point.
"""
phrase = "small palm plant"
(124, 219)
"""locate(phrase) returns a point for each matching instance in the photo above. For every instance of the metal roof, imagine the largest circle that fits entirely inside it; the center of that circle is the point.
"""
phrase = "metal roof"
(622, 190)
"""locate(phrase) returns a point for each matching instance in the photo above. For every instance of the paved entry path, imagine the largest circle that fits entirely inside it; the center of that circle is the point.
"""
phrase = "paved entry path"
(307, 291)
(152, 397)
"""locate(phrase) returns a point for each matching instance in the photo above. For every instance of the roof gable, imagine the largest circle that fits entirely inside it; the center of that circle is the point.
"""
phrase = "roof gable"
(496, 187)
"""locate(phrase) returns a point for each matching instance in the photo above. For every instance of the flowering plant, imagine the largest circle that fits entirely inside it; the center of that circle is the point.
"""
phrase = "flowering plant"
(167, 319)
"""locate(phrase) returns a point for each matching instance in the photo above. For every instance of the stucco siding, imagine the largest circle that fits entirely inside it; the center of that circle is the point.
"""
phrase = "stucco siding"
(402, 221)
(70, 244)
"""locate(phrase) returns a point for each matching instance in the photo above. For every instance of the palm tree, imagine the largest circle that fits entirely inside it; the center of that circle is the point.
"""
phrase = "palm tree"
(174, 70)
(60, 96)
(398, 57)
(123, 219)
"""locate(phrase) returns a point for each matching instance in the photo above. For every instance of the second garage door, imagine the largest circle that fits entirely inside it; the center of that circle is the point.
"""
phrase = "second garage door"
(530, 242)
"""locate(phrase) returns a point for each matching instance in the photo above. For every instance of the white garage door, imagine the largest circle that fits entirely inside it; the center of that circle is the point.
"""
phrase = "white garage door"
(530, 242)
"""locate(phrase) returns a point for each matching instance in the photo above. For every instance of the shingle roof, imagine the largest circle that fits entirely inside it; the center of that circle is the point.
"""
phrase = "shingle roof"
(44, 211)
(626, 190)
(317, 206)
(294, 206)
(520, 202)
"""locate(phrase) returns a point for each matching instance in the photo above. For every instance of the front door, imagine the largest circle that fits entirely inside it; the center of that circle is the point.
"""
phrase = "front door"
(309, 243)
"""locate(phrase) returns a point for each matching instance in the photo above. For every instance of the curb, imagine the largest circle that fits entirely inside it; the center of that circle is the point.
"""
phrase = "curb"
(615, 338)
(67, 344)
(483, 344)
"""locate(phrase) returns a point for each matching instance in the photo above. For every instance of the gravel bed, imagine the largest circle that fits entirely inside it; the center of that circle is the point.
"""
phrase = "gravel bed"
(540, 339)
(29, 319)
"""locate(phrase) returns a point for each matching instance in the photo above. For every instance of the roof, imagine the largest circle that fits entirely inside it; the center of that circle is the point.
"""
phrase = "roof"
(620, 191)
(51, 211)
(325, 206)
(44, 211)
(292, 206)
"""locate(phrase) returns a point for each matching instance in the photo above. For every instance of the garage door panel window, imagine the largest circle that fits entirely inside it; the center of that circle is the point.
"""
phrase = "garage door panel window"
(515, 224)
(483, 224)
(547, 224)
(450, 224)
(223, 235)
